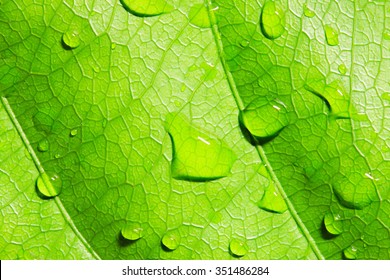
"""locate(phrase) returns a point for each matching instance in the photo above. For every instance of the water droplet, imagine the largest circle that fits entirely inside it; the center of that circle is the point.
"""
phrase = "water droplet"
(342, 69)
(183, 87)
(73, 133)
(386, 35)
(272, 200)
(132, 232)
(244, 43)
(57, 155)
(264, 119)
(350, 253)
(238, 247)
(71, 39)
(171, 240)
(147, 8)
(104, 123)
(199, 16)
(113, 46)
(333, 223)
(209, 71)
(27, 154)
(197, 155)
(43, 145)
(386, 96)
(308, 12)
(334, 96)
(49, 184)
(332, 35)
(272, 20)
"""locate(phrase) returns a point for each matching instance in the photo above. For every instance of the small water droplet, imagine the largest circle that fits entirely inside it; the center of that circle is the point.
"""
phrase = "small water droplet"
(386, 35)
(238, 247)
(171, 240)
(183, 87)
(209, 71)
(332, 35)
(73, 133)
(49, 184)
(197, 155)
(272, 20)
(333, 223)
(71, 39)
(27, 154)
(147, 8)
(342, 69)
(308, 12)
(264, 119)
(386, 96)
(113, 46)
(104, 123)
(272, 200)
(199, 16)
(244, 43)
(350, 253)
(132, 232)
(43, 145)
(178, 103)
(57, 155)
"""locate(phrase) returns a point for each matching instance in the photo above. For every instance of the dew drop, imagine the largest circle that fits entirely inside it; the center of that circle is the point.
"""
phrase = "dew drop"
(386, 96)
(272, 200)
(183, 87)
(73, 133)
(197, 155)
(238, 247)
(209, 71)
(113, 46)
(132, 232)
(27, 154)
(272, 20)
(264, 119)
(147, 8)
(333, 223)
(171, 241)
(308, 12)
(71, 39)
(350, 253)
(199, 16)
(244, 43)
(43, 145)
(57, 155)
(332, 36)
(49, 184)
(342, 69)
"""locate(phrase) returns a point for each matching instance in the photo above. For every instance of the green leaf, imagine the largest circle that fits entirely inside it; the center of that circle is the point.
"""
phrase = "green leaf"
(144, 110)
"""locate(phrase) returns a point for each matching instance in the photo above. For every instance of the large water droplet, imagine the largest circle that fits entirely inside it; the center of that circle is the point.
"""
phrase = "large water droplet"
(334, 96)
(199, 16)
(308, 12)
(132, 232)
(147, 8)
(238, 247)
(350, 253)
(264, 119)
(171, 240)
(71, 39)
(197, 155)
(272, 200)
(332, 35)
(333, 223)
(49, 184)
(272, 20)
(43, 145)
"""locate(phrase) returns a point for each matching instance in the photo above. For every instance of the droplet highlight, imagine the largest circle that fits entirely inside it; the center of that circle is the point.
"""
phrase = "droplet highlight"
(199, 16)
(71, 39)
(147, 8)
(272, 20)
(132, 232)
(333, 223)
(272, 200)
(197, 155)
(331, 35)
(171, 241)
(308, 12)
(264, 119)
(43, 145)
(49, 184)
(350, 253)
(238, 248)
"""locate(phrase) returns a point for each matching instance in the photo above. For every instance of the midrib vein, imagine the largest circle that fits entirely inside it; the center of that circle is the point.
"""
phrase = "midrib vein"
(259, 149)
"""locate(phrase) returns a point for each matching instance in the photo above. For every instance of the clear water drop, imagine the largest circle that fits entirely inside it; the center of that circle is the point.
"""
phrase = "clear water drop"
(49, 184)
(199, 16)
(43, 145)
(57, 155)
(71, 39)
(350, 253)
(272, 20)
(197, 155)
(132, 232)
(272, 200)
(386, 35)
(386, 96)
(308, 12)
(244, 43)
(238, 247)
(171, 240)
(342, 69)
(73, 133)
(209, 71)
(113, 46)
(27, 154)
(264, 119)
(147, 8)
(333, 223)
(331, 35)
